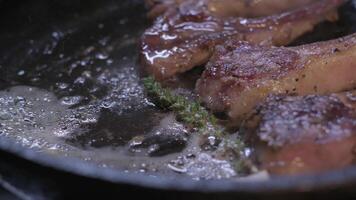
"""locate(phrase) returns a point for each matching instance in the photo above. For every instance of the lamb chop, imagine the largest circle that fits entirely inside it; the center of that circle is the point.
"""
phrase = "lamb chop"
(225, 8)
(184, 38)
(295, 134)
(240, 75)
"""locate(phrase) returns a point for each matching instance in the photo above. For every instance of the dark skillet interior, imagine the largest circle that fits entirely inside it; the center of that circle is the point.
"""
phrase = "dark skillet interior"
(81, 57)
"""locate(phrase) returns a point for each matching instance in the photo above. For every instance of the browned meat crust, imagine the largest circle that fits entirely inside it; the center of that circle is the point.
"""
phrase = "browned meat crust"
(304, 134)
(241, 75)
(185, 36)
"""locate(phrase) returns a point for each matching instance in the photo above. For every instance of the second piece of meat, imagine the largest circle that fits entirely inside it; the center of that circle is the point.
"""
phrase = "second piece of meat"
(241, 75)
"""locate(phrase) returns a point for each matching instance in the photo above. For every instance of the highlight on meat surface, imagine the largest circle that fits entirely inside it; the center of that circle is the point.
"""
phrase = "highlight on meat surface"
(240, 75)
(310, 134)
(185, 36)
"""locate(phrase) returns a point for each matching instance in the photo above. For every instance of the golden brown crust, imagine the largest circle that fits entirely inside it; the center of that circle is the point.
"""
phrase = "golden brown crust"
(245, 61)
(240, 75)
(304, 134)
(285, 120)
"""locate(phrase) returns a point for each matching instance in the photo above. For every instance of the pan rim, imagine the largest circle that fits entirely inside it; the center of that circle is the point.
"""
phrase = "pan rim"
(283, 184)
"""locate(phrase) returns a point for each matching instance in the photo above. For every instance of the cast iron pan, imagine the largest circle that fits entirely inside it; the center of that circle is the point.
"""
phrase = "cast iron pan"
(39, 44)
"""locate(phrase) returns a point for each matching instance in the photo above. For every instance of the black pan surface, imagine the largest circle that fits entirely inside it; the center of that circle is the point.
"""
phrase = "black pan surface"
(81, 57)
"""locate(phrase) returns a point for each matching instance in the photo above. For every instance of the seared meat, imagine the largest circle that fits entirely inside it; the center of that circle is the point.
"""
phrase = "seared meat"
(184, 38)
(241, 75)
(224, 8)
(307, 134)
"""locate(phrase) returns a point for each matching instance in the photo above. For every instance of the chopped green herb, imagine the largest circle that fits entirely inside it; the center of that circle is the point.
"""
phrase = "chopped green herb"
(188, 112)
